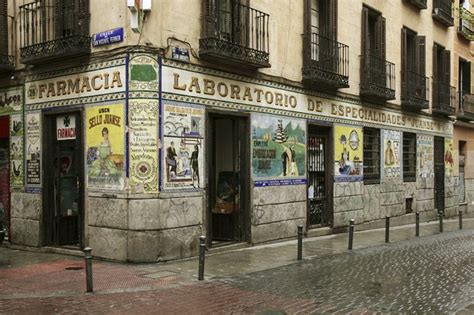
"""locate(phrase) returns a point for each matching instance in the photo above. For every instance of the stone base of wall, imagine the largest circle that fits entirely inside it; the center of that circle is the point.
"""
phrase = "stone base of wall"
(25, 219)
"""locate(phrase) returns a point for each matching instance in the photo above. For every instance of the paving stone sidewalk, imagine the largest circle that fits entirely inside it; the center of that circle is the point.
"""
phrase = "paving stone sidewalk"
(433, 273)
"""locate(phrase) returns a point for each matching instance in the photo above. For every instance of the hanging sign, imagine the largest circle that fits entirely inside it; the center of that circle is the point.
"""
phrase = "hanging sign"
(66, 127)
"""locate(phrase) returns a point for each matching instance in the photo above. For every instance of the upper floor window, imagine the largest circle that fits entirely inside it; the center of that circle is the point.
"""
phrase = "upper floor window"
(466, 20)
(325, 60)
(443, 12)
(235, 32)
(371, 156)
(51, 29)
(444, 95)
(6, 52)
(377, 74)
(414, 80)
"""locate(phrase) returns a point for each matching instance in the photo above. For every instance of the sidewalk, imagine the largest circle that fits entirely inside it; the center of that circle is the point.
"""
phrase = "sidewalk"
(25, 274)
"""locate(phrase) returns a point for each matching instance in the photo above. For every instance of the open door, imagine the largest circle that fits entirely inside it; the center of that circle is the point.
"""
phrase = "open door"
(228, 178)
(63, 181)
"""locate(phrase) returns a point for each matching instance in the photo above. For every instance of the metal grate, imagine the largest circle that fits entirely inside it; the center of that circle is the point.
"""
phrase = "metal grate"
(409, 157)
(317, 190)
(371, 156)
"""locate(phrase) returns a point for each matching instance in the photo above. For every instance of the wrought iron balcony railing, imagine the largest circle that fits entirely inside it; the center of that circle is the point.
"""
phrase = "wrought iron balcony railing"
(444, 98)
(466, 107)
(377, 78)
(466, 24)
(443, 12)
(52, 29)
(415, 90)
(325, 62)
(236, 33)
(420, 4)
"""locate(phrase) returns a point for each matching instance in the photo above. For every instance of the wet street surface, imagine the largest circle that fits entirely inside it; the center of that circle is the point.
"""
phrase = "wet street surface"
(428, 275)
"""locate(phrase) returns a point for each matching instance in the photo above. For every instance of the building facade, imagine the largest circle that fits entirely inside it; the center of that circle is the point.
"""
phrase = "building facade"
(136, 133)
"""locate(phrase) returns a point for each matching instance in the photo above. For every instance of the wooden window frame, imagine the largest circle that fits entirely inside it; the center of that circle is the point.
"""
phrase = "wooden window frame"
(371, 138)
(409, 156)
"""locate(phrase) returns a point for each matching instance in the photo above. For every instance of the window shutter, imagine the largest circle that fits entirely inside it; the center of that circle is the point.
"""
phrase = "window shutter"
(210, 18)
(447, 66)
(435, 74)
(365, 32)
(404, 60)
(468, 78)
(380, 37)
(3, 27)
(333, 19)
(421, 55)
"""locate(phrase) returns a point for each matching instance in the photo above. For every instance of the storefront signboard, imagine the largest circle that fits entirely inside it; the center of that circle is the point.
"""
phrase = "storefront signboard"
(264, 95)
(66, 127)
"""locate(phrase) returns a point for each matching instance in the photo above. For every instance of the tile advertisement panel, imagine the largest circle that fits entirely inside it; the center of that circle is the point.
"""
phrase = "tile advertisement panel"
(105, 142)
(348, 150)
(391, 153)
(278, 150)
(448, 157)
(33, 151)
(424, 147)
(143, 145)
(183, 147)
(16, 151)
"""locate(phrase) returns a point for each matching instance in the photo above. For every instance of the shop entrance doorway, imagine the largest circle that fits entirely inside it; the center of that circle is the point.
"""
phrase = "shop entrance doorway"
(439, 174)
(319, 190)
(4, 174)
(228, 167)
(63, 179)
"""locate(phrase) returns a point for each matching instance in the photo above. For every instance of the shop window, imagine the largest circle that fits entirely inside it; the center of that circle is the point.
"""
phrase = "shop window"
(462, 178)
(409, 157)
(371, 156)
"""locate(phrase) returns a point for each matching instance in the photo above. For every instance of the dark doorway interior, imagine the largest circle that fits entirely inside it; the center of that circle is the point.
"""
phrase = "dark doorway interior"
(228, 178)
(63, 178)
(4, 174)
(439, 174)
(319, 191)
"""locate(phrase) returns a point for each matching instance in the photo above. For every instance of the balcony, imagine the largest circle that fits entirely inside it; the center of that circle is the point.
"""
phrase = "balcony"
(377, 80)
(443, 12)
(466, 107)
(466, 24)
(420, 4)
(415, 91)
(52, 30)
(444, 99)
(325, 62)
(236, 34)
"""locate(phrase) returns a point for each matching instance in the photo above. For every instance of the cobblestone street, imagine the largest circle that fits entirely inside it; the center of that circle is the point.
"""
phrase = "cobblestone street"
(431, 274)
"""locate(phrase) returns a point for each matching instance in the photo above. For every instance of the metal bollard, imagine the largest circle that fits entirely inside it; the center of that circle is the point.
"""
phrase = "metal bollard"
(460, 219)
(88, 259)
(202, 256)
(387, 229)
(351, 234)
(417, 224)
(440, 216)
(300, 242)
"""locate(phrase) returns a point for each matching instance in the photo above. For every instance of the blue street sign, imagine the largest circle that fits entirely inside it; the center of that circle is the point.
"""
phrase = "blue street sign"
(108, 37)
